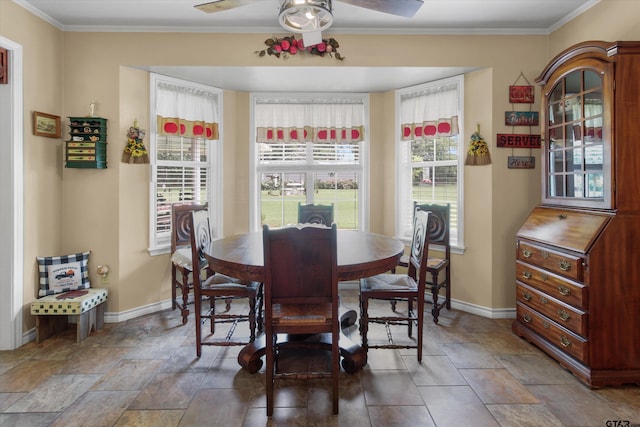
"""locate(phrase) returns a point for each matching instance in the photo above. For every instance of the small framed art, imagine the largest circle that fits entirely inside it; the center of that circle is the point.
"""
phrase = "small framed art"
(46, 125)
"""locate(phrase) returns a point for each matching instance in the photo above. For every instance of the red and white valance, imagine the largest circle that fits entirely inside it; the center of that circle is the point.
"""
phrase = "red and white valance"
(186, 112)
(317, 123)
(430, 113)
(317, 135)
(441, 127)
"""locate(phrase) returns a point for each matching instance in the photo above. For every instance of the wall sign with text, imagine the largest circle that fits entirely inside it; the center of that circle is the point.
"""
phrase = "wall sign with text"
(521, 162)
(521, 94)
(521, 118)
(518, 140)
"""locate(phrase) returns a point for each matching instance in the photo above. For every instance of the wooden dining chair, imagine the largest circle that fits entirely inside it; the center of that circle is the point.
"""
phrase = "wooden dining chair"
(315, 214)
(181, 262)
(437, 264)
(301, 298)
(407, 287)
(215, 286)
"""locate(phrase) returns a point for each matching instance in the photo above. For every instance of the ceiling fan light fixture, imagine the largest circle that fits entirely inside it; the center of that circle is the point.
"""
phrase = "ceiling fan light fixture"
(301, 16)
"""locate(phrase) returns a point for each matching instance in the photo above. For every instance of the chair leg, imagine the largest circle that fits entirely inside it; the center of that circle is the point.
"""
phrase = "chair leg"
(435, 311)
(448, 289)
(184, 286)
(335, 371)
(260, 303)
(197, 303)
(420, 308)
(252, 319)
(269, 373)
(212, 313)
(364, 322)
(174, 283)
(410, 315)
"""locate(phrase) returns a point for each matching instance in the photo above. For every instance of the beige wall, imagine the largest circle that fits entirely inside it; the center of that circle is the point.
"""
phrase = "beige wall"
(106, 210)
(609, 20)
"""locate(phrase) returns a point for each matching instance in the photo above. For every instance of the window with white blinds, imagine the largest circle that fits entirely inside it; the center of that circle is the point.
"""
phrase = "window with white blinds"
(183, 171)
(430, 152)
(309, 149)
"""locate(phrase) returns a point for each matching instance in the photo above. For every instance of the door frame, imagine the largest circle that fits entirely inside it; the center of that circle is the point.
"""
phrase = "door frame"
(12, 190)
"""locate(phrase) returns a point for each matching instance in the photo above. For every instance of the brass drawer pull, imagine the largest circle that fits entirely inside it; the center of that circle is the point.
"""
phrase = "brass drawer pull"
(526, 296)
(564, 315)
(564, 265)
(564, 290)
(545, 325)
(543, 300)
(526, 275)
(545, 254)
(562, 216)
(527, 318)
(526, 253)
(544, 276)
(564, 341)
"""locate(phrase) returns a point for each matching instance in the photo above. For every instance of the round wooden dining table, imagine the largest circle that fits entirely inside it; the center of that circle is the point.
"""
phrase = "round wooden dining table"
(360, 254)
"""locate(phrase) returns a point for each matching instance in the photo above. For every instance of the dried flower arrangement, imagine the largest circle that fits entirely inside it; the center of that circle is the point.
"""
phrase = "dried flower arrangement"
(478, 151)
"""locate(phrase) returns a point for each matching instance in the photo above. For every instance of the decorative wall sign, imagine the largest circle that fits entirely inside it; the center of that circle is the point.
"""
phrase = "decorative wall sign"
(521, 162)
(521, 118)
(517, 140)
(521, 94)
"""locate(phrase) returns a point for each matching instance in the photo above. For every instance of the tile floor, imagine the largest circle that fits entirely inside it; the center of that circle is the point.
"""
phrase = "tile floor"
(144, 372)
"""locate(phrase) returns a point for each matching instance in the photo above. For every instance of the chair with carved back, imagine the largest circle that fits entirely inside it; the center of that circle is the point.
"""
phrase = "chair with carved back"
(301, 299)
(315, 214)
(437, 264)
(217, 287)
(181, 267)
(407, 287)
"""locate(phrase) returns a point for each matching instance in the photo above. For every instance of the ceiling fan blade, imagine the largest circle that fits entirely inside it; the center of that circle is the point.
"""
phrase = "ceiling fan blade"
(406, 8)
(222, 5)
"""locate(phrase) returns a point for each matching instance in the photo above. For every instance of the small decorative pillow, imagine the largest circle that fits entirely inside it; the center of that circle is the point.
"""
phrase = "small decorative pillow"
(63, 273)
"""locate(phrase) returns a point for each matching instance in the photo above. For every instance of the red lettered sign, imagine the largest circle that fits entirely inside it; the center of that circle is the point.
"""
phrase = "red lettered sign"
(521, 94)
(518, 140)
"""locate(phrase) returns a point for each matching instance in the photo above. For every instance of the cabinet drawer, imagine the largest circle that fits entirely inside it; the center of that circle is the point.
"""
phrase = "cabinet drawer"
(561, 337)
(563, 314)
(565, 264)
(569, 292)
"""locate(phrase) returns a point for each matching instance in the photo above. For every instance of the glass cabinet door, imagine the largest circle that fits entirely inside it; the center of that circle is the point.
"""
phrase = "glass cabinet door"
(576, 153)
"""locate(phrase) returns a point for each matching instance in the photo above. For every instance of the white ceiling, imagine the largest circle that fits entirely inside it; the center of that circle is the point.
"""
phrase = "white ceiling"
(434, 17)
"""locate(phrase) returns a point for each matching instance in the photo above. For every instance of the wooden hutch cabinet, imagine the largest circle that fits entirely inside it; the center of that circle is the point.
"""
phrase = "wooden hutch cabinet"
(578, 253)
(87, 144)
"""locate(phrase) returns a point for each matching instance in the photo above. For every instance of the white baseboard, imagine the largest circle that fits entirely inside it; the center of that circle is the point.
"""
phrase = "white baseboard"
(490, 313)
(136, 312)
(111, 317)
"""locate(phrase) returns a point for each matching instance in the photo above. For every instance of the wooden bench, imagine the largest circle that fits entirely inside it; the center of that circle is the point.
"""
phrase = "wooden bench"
(54, 313)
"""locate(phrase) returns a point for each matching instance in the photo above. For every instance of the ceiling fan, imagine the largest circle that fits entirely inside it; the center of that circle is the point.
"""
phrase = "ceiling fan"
(311, 17)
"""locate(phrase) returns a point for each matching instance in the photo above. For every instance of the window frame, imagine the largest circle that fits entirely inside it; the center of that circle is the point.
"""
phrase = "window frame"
(457, 237)
(255, 173)
(161, 243)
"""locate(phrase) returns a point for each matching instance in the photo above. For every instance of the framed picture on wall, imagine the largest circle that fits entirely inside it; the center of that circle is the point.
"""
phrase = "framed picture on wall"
(46, 125)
